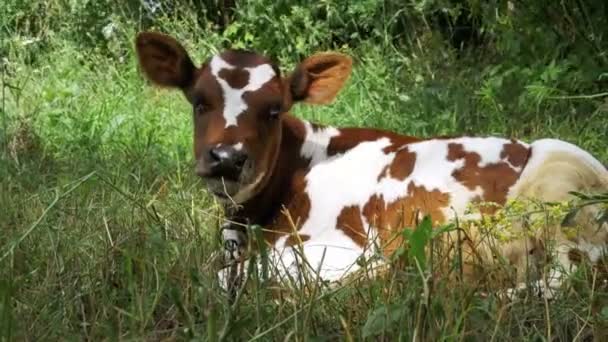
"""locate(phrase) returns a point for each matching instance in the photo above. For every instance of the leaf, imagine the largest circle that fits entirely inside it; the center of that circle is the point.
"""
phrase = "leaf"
(581, 195)
(383, 318)
(419, 240)
(443, 229)
(568, 220)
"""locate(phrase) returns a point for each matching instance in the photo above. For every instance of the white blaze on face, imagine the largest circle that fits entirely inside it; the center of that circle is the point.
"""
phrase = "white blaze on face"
(234, 104)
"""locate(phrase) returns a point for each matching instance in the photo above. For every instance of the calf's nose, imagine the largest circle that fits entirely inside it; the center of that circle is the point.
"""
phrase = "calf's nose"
(226, 161)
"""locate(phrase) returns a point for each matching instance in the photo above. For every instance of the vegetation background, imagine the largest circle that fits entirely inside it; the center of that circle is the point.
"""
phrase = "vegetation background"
(107, 234)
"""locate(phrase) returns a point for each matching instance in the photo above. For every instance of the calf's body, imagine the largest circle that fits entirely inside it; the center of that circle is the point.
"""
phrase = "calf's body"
(349, 202)
(326, 196)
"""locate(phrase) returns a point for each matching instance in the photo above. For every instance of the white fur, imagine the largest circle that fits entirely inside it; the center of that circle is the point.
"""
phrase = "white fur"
(332, 254)
(234, 104)
(315, 143)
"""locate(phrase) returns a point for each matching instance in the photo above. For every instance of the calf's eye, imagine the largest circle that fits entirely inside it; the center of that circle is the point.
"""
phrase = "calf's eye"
(274, 112)
(199, 108)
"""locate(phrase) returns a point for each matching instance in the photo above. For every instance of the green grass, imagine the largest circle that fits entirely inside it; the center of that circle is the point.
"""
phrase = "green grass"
(107, 233)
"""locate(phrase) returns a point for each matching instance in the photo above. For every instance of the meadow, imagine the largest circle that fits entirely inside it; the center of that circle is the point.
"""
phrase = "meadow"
(107, 234)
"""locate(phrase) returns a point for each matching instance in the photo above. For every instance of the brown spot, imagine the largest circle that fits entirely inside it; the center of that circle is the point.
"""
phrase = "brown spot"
(373, 209)
(383, 173)
(494, 179)
(398, 142)
(375, 213)
(516, 153)
(296, 239)
(403, 164)
(349, 221)
(351, 137)
(456, 151)
(404, 212)
(236, 78)
(294, 215)
(418, 203)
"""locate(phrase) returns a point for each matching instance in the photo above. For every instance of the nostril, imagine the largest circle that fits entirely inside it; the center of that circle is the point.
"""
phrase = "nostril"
(240, 160)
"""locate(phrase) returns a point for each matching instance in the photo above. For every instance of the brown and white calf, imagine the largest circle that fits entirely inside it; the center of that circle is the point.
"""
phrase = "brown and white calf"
(331, 191)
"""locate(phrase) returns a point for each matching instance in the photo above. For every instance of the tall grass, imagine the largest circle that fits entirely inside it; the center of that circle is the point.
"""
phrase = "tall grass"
(106, 232)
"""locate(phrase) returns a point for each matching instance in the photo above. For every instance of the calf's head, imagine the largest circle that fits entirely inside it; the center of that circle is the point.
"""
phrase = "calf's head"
(238, 100)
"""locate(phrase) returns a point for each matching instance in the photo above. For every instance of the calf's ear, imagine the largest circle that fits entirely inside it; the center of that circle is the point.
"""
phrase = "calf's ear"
(319, 78)
(164, 61)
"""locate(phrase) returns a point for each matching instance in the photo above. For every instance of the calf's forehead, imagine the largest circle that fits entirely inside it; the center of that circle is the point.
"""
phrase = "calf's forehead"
(239, 73)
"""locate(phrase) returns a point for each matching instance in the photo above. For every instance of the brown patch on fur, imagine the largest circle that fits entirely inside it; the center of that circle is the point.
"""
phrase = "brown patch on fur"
(373, 209)
(404, 212)
(375, 212)
(383, 173)
(403, 164)
(419, 202)
(398, 142)
(291, 220)
(351, 137)
(236, 78)
(296, 239)
(494, 179)
(349, 221)
(516, 153)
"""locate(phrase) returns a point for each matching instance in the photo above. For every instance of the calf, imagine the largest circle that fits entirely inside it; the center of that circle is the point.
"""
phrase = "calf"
(328, 193)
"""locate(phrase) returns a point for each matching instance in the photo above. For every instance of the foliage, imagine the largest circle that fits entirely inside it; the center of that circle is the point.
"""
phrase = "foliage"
(108, 234)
